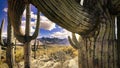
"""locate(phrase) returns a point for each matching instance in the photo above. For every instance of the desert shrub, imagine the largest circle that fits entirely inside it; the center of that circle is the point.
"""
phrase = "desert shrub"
(19, 53)
(3, 65)
(63, 53)
(70, 51)
(58, 56)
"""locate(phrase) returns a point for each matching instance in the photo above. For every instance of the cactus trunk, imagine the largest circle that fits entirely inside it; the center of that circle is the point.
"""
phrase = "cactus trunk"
(10, 49)
(1, 40)
(27, 55)
(10, 59)
(27, 47)
(98, 51)
(118, 40)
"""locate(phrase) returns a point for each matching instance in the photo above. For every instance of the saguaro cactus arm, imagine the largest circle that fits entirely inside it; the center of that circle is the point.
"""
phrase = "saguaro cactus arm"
(74, 42)
(16, 20)
(35, 34)
(1, 30)
(28, 19)
(37, 26)
(68, 11)
(18, 6)
(10, 33)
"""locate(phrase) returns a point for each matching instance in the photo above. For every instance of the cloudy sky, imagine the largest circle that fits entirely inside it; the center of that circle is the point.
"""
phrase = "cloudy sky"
(47, 27)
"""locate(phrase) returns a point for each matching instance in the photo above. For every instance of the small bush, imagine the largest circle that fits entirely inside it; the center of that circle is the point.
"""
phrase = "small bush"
(19, 53)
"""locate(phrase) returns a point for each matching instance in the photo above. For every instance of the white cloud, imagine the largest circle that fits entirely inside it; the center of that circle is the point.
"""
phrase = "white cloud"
(32, 30)
(4, 34)
(31, 27)
(62, 34)
(5, 9)
(33, 15)
(46, 23)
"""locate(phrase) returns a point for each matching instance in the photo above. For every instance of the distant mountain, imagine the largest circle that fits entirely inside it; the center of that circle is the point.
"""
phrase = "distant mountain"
(46, 40)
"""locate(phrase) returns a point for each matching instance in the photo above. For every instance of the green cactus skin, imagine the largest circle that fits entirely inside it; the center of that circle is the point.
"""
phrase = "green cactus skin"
(74, 42)
(28, 38)
(1, 30)
(1, 40)
(9, 45)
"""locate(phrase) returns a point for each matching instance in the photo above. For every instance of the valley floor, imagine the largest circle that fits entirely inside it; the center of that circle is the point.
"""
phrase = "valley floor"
(52, 56)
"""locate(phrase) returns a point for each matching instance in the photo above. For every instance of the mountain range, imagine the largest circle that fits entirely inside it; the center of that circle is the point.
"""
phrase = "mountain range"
(47, 40)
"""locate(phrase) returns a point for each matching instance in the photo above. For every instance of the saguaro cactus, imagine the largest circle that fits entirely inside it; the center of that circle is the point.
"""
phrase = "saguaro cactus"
(77, 45)
(1, 40)
(118, 40)
(98, 51)
(20, 36)
(28, 38)
(9, 44)
(1, 30)
(87, 20)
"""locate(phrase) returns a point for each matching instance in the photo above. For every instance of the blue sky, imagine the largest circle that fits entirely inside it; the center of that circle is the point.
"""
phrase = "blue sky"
(47, 28)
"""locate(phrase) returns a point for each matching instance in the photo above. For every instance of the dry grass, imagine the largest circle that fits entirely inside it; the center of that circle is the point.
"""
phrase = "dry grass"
(51, 51)
(56, 48)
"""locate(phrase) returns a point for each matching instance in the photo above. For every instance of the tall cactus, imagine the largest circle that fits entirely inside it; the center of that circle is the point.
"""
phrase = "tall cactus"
(118, 40)
(9, 44)
(28, 38)
(1, 30)
(98, 51)
(1, 40)
(94, 16)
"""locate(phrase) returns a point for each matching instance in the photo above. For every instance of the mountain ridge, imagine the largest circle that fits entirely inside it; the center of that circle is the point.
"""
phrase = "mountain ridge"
(47, 40)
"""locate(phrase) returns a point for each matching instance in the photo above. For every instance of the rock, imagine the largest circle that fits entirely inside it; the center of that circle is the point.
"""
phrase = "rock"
(57, 65)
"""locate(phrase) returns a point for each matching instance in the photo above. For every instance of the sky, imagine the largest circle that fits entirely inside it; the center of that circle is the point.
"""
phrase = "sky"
(47, 27)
